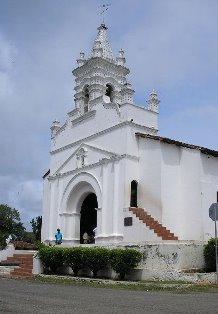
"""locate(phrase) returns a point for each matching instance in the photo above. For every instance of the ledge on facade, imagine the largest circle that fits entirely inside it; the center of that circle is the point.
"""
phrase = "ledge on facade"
(46, 174)
(96, 164)
(138, 106)
(119, 125)
(203, 150)
(94, 61)
(67, 214)
(84, 117)
(73, 113)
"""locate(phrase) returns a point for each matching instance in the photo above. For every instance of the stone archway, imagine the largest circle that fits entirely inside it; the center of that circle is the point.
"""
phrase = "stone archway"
(88, 218)
(75, 196)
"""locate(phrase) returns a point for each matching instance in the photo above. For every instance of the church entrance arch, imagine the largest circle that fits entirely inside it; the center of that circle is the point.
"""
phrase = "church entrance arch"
(88, 219)
(81, 197)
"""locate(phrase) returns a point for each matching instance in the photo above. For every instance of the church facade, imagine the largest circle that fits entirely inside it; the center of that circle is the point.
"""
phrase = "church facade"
(112, 178)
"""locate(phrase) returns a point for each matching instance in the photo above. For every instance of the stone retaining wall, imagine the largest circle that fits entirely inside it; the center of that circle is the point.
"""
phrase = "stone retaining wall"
(167, 260)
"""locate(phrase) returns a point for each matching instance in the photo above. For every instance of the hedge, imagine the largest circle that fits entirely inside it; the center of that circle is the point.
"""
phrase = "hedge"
(97, 259)
(75, 258)
(94, 259)
(122, 261)
(52, 258)
(210, 255)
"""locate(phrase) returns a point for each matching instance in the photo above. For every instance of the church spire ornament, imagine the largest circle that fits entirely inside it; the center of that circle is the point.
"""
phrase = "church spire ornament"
(153, 102)
(101, 47)
(103, 9)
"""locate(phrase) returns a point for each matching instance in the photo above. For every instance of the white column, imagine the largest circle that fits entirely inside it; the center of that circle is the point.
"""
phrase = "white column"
(104, 199)
(71, 226)
(54, 214)
(117, 221)
(102, 221)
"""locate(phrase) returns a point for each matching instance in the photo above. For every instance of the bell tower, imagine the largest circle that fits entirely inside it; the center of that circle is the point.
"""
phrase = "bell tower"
(100, 77)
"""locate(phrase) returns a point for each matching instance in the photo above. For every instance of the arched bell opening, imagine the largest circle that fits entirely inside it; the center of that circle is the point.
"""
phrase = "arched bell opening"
(88, 219)
(86, 98)
(109, 92)
(133, 197)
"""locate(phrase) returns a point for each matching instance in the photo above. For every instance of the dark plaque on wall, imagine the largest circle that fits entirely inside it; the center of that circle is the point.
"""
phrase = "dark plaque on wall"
(127, 221)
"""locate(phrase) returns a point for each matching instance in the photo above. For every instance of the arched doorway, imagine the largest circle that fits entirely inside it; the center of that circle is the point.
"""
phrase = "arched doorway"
(88, 217)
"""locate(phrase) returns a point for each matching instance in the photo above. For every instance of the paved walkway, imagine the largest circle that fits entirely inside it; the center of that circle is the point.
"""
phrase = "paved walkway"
(23, 296)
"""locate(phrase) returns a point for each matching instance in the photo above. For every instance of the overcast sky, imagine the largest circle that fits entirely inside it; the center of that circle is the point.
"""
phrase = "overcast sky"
(170, 46)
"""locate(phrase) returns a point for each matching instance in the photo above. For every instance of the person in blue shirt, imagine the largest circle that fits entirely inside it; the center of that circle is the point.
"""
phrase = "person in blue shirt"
(58, 237)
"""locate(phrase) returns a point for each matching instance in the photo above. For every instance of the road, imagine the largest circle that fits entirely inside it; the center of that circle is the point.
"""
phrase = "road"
(22, 296)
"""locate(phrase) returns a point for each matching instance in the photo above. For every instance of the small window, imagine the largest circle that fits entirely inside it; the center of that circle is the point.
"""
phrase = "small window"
(127, 221)
(82, 160)
(86, 99)
(133, 198)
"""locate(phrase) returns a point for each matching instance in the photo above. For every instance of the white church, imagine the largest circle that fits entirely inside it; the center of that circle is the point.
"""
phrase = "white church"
(112, 176)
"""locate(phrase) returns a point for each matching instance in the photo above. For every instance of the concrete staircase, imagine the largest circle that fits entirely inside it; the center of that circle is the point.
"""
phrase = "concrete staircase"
(18, 265)
(150, 222)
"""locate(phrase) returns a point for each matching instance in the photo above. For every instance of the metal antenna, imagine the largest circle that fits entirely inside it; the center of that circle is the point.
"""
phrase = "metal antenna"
(103, 8)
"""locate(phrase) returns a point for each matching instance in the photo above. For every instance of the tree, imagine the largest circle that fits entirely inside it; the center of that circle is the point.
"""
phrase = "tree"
(10, 224)
(36, 227)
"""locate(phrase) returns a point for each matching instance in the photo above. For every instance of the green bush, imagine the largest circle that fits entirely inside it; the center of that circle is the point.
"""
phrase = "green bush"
(2, 241)
(210, 255)
(52, 258)
(75, 258)
(97, 258)
(123, 260)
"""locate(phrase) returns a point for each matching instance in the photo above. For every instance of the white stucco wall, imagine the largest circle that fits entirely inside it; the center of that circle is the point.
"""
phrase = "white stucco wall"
(138, 232)
(177, 186)
(149, 190)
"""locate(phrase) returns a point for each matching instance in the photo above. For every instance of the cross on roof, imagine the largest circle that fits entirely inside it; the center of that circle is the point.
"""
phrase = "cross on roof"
(103, 8)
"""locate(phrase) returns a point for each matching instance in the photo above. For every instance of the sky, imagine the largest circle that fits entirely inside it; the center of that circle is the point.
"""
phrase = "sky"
(170, 46)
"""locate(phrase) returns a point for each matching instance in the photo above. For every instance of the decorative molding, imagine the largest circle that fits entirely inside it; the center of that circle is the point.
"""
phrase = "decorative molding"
(112, 105)
(73, 112)
(100, 63)
(98, 208)
(105, 131)
(105, 238)
(84, 146)
(90, 166)
(66, 214)
(83, 117)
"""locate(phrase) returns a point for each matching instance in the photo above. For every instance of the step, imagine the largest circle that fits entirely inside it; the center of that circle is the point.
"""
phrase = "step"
(20, 259)
(27, 267)
(21, 274)
(21, 270)
(10, 263)
(153, 224)
(23, 255)
(161, 229)
(10, 258)
(25, 262)
(6, 270)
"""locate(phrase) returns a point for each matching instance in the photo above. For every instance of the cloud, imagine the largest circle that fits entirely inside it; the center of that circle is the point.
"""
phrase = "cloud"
(169, 45)
(7, 53)
(195, 125)
(174, 44)
(25, 196)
